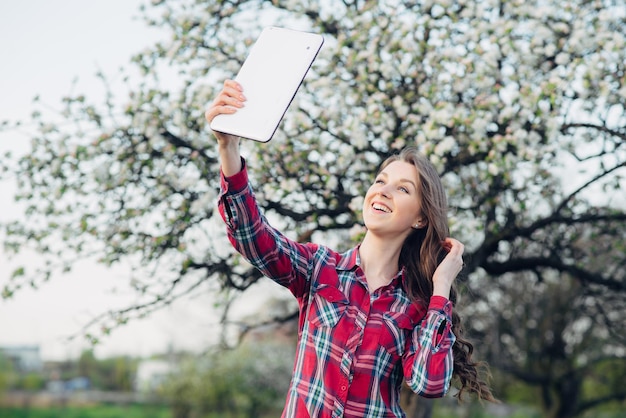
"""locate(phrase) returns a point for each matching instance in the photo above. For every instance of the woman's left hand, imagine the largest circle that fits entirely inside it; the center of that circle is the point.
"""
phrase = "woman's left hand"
(449, 268)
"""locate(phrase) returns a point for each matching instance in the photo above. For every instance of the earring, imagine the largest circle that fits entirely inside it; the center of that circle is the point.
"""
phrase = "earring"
(416, 226)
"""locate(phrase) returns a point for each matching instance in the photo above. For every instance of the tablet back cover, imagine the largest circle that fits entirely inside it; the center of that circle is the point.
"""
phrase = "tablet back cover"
(270, 76)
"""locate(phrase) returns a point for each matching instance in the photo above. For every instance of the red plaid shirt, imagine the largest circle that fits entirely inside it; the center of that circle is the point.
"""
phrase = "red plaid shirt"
(354, 347)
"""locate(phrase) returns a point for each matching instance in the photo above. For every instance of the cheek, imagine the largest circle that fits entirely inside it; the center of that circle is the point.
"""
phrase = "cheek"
(367, 198)
(412, 209)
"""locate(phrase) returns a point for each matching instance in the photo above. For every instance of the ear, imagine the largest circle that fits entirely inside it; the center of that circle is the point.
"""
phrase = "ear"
(420, 223)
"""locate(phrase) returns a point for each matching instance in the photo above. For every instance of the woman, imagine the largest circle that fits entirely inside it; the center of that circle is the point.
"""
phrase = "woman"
(375, 315)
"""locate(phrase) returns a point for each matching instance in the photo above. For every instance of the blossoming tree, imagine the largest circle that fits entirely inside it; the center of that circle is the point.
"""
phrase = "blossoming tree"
(519, 105)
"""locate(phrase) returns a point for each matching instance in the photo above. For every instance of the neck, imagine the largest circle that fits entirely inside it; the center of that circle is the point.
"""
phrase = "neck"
(379, 259)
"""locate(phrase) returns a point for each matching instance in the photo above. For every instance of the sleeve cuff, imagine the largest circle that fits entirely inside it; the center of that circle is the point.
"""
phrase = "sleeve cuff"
(441, 304)
(236, 182)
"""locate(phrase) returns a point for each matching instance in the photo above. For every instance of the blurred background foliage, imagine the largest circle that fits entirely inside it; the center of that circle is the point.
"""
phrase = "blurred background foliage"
(519, 104)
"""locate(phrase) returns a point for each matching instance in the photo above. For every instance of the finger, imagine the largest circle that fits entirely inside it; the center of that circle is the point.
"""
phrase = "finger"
(455, 253)
(447, 244)
(229, 97)
(233, 89)
(213, 111)
(452, 244)
(232, 83)
(226, 102)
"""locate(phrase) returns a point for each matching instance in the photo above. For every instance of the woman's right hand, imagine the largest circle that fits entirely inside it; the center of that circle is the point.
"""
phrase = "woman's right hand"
(227, 102)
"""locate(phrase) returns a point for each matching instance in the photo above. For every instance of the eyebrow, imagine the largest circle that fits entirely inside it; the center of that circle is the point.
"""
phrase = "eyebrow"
(402, 180)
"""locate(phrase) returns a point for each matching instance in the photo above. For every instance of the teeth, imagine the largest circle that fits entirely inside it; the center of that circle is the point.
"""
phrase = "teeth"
(381, 207)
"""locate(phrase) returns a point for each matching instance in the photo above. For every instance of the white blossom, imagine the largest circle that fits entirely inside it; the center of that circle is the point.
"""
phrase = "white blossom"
(562, 58)
(520, 135)
(479, 128)
(493, 169)
(356, 231)
(356, 204)
(431, 131)
(269, 191)
(544, 106)
(289, 185)
(507, 113)
(173, 49)
(443, 114)
(185, 182)
(387, 70)
(325, 220)
(446, 145)
(359, 140)
(101, 173)
(401, 108)
(203, 204)
(55, 165)
(332, 183)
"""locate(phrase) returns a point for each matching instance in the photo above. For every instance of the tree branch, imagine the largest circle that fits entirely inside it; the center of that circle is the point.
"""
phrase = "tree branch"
(529, 263)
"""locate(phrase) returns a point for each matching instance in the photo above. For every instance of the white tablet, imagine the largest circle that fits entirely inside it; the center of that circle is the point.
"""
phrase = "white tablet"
(270, 77)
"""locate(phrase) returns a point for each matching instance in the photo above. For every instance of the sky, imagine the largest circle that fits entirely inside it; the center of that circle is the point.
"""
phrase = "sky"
(50, 49)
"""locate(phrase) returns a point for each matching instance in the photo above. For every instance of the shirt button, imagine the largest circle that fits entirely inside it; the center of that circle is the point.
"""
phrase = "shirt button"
(343, 388)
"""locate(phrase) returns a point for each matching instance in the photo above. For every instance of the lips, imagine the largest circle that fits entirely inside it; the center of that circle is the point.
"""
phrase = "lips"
(380, 207)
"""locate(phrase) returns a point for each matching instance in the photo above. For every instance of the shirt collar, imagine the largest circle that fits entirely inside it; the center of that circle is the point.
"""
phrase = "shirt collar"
(349, 260)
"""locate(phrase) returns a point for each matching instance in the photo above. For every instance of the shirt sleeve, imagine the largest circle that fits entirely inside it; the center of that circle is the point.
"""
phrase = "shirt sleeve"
(276, 256)
(429, 363)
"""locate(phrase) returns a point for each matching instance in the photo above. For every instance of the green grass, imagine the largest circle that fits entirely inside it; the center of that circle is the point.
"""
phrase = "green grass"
(100, 411)
(147, 411)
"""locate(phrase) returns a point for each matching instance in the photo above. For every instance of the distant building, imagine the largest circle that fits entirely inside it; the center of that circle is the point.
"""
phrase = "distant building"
(71, 385)
(25, 358)
(151, 374)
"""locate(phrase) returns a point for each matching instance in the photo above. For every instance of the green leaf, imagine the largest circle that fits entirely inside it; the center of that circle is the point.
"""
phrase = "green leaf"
(18, 272)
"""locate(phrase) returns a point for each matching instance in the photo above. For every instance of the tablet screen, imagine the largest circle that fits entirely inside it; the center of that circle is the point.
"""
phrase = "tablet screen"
(270, 76)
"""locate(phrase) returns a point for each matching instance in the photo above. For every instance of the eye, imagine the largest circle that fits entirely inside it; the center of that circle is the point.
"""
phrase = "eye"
(379, 181)
(403, 189)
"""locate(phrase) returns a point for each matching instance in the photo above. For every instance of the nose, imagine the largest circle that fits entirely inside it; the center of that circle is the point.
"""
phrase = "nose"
(384, 191)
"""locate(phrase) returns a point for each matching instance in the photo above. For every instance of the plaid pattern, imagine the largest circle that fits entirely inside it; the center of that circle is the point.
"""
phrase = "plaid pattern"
(354, 347)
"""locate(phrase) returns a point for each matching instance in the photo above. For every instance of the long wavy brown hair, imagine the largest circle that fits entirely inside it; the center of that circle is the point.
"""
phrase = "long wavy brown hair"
(421, 253)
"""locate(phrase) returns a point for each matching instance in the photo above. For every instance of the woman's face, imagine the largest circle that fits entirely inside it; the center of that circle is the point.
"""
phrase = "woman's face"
(392, 204)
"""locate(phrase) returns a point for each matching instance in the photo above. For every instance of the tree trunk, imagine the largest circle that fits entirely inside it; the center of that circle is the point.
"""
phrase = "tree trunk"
(569, 393)
(561, 399)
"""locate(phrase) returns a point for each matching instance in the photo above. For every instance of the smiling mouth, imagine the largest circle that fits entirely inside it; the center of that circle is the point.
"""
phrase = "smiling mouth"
(381, 208)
